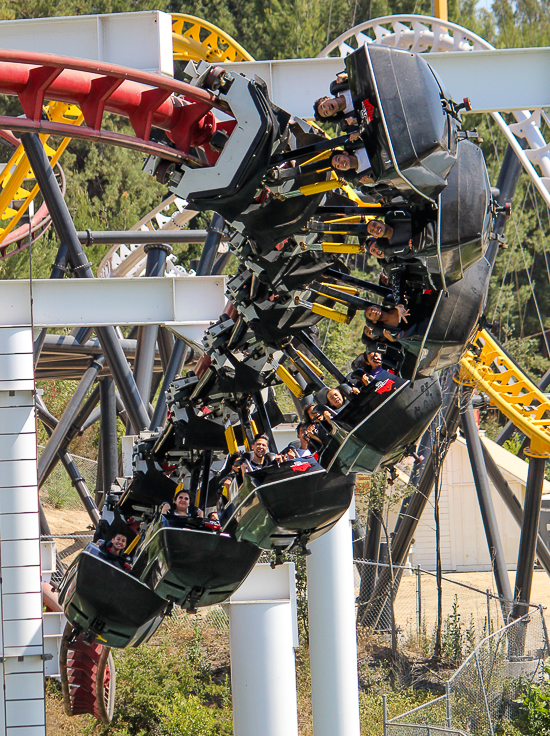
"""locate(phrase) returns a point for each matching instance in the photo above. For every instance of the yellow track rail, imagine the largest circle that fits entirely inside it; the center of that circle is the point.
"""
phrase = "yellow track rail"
(489, 369)
(198, 39)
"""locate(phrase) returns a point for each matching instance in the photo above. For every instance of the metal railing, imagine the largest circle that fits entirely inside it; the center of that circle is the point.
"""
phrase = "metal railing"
(482, 693)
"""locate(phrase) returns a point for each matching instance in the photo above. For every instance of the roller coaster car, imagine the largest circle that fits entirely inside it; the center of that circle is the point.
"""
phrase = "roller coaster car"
(232, 183)
(107, 603)
(410, 134)
(383, 432)
(288, 503)
(465, 219)
(193, 567)
(453, 323)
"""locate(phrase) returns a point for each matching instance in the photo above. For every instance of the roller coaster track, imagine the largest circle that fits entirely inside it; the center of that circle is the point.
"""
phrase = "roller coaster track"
(144, 99)
(193, 38)
(487, 366)
(87, 678)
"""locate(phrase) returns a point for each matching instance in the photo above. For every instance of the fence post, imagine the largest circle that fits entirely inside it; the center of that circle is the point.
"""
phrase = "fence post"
(484, 692)
(544, 629)
(488, 611)
(448, 719)
(385, 715)
(419, 598)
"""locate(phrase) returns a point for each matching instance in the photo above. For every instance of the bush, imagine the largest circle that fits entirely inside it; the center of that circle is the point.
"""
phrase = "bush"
(168, 689)
(187, 717)
(534, 716)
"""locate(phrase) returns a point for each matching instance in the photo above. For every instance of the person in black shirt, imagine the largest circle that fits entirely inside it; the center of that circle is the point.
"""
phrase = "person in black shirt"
(113, 551)
(259, 457)
(181, 509)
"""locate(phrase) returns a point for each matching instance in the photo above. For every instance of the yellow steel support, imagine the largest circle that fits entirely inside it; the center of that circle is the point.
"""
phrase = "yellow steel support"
(341, 248)
(133, 544)
(320, 186)
(353, 219)
(340, 287)
(231, 440)
(309, 363)
(254, 427)
(440, 9)
(290, 382)
(197, 39)
(330, 313)
(352, 194)
(334, 298)
(488, 368)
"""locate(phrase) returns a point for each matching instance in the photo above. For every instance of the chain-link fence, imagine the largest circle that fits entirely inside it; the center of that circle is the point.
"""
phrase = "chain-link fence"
(213, 618)
(468, 613)
(482, 693)
(58, 492)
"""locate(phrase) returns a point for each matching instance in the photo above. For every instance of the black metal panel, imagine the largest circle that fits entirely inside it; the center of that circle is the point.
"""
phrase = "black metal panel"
(413, 145)
(194, 567)
(105, 601)
(280, 503)
(382, 437)
(454, 323)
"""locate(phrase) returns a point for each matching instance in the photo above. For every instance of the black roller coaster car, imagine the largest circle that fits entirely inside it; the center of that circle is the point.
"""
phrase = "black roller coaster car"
(288, 504)
(409, 122)
(107, 603)
(376, 428)
(193, 566)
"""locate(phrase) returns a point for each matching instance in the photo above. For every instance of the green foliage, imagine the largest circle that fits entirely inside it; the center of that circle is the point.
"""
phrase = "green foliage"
(399, 701)
(168, 689)
(534, 716)
(182, 716)
(301, 598)
(453, 636)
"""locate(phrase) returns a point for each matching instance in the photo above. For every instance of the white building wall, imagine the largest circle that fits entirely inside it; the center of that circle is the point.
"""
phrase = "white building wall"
(463, 543)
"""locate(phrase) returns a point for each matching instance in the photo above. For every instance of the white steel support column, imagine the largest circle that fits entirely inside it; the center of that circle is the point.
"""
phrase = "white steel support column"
(22, 709)
(332, 637)
(263, 633)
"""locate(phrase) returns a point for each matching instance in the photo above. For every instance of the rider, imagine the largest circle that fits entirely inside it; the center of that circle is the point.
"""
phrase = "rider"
(369, 362)
(181, 508)
(113, 550)
(259, 457)
(356, 166)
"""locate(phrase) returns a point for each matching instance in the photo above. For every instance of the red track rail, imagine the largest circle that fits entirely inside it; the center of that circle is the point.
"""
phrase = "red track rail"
(87, 672)
(146, 100)
(87, 678)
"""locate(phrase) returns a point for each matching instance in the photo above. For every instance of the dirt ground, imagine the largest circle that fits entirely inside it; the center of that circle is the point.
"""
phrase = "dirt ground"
(68, 521)
(473, 607)
(65, 521)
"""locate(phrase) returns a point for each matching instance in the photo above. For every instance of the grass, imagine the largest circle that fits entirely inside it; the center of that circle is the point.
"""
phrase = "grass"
(179, 685)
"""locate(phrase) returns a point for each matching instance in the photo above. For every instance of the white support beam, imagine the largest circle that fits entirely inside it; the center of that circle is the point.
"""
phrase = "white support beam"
(263, 632)
(332, 637)
(187, 303)
(503, 79)
(140, 40)
(22, 708)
